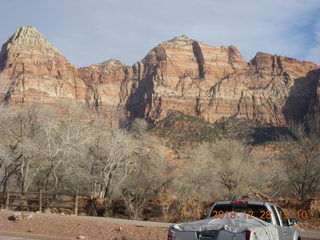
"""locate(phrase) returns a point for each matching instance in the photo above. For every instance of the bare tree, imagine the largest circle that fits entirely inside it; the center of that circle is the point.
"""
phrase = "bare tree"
(19, 128)
(38, 143)
(60, 141)
(226, 162)
(66, 148)
(234, 165)
(269, 178)
(301, 155)
(111, 155)
(8, 168)
(146, 179)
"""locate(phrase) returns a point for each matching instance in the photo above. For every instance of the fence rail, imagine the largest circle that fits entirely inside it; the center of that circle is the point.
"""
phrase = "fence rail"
(39, 200)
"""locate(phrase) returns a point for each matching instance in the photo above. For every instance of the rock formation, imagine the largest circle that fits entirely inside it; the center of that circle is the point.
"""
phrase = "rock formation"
(33, 71)
(180, 74)
(215, 82)
(103, 83)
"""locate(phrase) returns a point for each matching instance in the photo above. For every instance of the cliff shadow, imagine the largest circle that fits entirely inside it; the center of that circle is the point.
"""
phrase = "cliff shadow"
(264, 134)
(302, 93)
(139, 101)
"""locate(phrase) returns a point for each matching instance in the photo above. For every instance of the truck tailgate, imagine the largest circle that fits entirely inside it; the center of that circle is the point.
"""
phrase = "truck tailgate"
(209, 235)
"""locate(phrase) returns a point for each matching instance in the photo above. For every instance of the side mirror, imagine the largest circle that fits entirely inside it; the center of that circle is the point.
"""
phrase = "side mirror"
(293, 221)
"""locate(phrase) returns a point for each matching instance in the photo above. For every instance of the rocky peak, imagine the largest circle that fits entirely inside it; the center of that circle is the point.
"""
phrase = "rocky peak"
(179, 41)
(24, 43)
(29, 36)
(32, 70)
(110, 65)
(234, 52)
(275, 64)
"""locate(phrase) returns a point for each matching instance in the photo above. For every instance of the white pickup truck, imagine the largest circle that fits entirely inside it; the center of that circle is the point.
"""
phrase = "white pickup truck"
(239, 220)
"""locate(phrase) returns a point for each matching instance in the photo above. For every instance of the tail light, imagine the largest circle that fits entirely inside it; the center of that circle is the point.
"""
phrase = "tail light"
(170, 238)
(239, 202)
(248, 233)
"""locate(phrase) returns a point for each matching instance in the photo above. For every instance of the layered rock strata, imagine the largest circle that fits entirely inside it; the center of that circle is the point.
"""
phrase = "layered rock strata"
(180, 74)
(33, 71)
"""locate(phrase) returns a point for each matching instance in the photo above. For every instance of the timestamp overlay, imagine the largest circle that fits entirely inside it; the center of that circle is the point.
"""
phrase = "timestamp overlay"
(298, 214)
(286, 214)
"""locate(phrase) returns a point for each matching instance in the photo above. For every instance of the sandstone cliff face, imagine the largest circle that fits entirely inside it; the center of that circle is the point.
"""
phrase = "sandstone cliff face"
(180, 74)
(272, 89)
(103, 83)
(215, 82)
(33, 71)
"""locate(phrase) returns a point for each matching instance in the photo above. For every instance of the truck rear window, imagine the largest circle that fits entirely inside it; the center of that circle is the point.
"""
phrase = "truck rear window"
(257, 211)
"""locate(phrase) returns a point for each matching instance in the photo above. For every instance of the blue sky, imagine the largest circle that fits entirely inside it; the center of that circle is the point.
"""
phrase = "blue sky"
(91, 31)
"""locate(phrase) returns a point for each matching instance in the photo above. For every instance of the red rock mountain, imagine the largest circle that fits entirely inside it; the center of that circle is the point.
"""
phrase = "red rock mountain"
(180, 74)
(33, 71)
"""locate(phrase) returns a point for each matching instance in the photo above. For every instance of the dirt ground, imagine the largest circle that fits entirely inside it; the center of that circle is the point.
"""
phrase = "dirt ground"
(71, 228)
(57, 227)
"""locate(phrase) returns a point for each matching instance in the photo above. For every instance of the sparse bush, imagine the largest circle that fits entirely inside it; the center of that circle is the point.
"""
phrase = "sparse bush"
(192, 209)
(168, 204)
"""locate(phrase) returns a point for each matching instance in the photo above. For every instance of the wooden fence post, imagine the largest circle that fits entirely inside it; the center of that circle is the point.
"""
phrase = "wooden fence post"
(76, 204)
(40, 201)
(7, 201)
(2, 201)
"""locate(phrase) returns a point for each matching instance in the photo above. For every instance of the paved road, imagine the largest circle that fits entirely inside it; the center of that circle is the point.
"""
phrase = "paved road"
(14, 238)
(310, 235)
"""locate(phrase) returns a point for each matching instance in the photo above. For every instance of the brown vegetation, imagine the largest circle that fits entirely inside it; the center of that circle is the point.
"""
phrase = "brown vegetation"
(127, 173)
